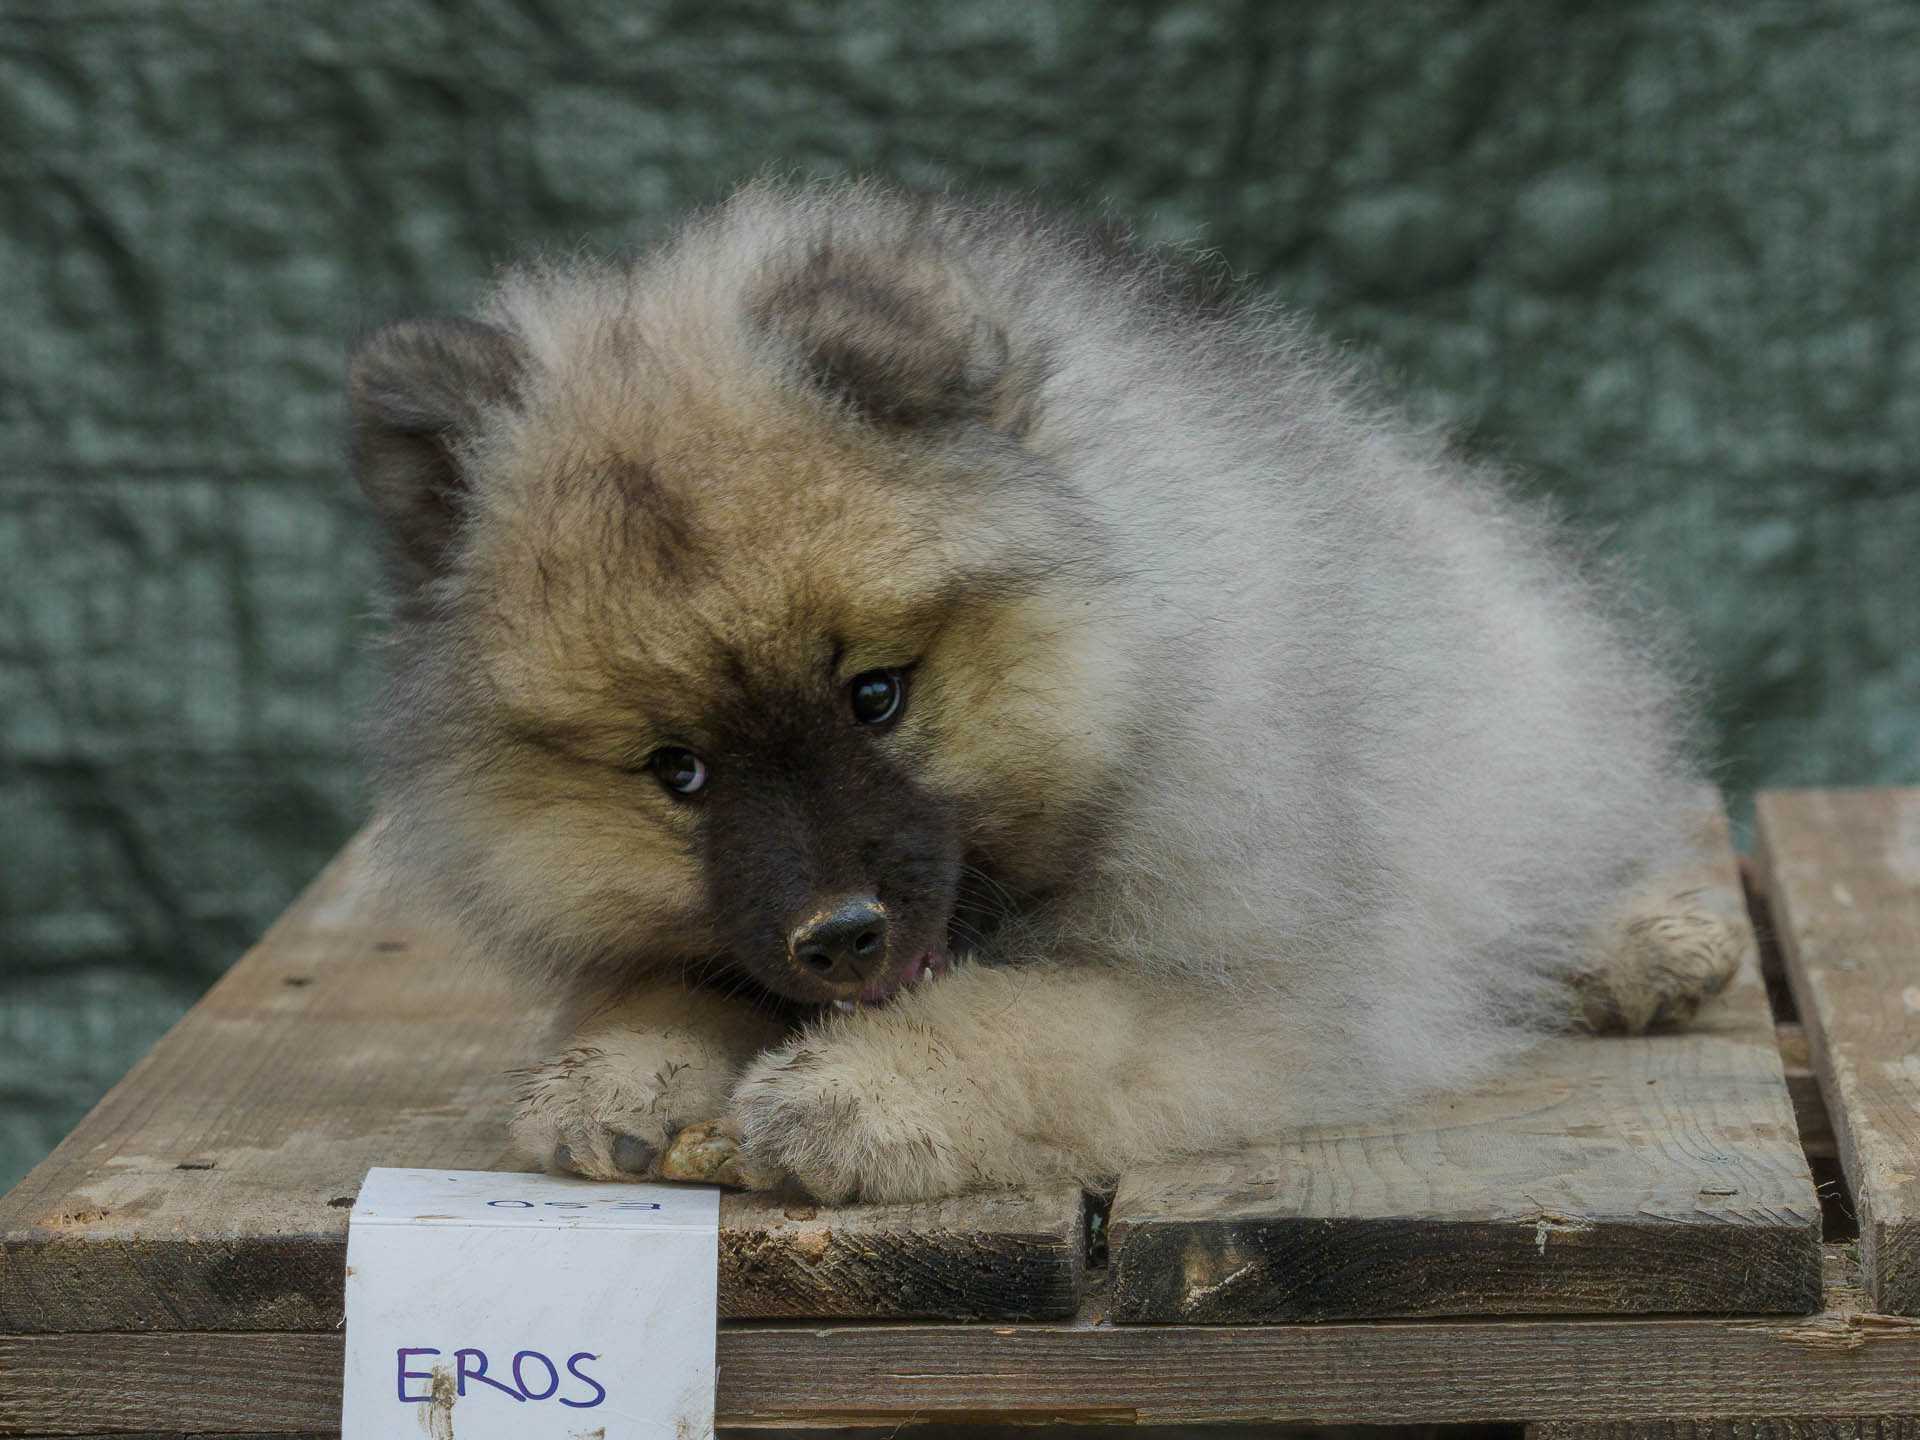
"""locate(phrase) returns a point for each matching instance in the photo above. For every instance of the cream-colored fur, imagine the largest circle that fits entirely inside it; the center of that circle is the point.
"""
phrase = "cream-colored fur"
(1303, 769)
(634, 1073)
(1010, 1077)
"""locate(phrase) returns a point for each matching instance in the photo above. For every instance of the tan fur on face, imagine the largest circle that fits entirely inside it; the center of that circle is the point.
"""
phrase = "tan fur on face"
(1053, 681)
(596, 593)
(1304, 764)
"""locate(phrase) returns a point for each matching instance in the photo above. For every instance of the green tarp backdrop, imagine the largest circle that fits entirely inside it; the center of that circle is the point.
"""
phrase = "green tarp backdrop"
(1659, 255)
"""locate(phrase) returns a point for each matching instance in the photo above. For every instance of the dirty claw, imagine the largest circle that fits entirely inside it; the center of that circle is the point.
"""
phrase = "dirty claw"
(704, 1154)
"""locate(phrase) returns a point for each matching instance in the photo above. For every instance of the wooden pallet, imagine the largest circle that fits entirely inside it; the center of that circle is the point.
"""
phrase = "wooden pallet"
(210, 1189)
(1843, 1362)
(1606, 1176)
(1842, 872)
(183, 1250)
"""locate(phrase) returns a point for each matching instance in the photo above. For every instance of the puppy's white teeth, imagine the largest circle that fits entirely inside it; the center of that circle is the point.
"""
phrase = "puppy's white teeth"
(845, 1007)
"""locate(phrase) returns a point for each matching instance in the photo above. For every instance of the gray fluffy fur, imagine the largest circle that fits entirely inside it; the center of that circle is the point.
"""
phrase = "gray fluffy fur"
(1378, 754)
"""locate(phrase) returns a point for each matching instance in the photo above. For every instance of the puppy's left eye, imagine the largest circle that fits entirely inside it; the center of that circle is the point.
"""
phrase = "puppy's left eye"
(878, 696)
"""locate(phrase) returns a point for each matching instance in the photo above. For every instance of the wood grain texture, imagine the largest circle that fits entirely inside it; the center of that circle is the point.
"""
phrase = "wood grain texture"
(976, 1256)
(1842, 870)
(210, 1189)
(1840, 1362)
(1602, 1175)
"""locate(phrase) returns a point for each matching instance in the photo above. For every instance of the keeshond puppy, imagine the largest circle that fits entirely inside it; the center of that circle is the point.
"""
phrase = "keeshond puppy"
(956, 700)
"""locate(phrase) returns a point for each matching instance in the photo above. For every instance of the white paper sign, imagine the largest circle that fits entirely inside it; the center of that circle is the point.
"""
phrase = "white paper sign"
(529, 1307)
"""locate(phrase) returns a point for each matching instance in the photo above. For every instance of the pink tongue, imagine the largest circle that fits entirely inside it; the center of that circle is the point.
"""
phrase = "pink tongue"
(934, 962)
(881, 992)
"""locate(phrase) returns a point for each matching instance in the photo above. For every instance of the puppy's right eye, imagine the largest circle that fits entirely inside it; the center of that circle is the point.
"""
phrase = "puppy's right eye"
(877, 697)
(681, 771)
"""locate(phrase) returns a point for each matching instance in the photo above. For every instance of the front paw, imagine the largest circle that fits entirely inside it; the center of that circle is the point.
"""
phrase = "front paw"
(607, 1107)
(711, 1153)
(850, 1117)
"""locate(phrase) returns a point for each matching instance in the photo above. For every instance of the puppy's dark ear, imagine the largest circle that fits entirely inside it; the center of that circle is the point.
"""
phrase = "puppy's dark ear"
(415, 391)
(901, 337)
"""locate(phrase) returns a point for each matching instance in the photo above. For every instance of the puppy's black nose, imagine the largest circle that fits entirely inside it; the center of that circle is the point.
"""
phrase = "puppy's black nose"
(845, 942)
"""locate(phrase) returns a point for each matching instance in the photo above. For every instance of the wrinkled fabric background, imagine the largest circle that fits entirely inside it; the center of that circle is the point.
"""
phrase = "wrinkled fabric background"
(1657, 255)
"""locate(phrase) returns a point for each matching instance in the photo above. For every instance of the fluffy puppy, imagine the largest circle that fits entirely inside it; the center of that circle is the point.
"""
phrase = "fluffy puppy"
(959, 701)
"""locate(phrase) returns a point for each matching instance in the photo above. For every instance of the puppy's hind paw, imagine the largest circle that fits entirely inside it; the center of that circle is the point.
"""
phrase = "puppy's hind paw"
(1659, 965)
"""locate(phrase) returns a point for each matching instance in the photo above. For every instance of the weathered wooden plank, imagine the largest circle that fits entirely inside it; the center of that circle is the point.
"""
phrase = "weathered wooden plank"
(210, 1189)
(1841, 1362)
(977, 1256)
(1843, 872)
(1859, 1427)
(1603, 1175)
